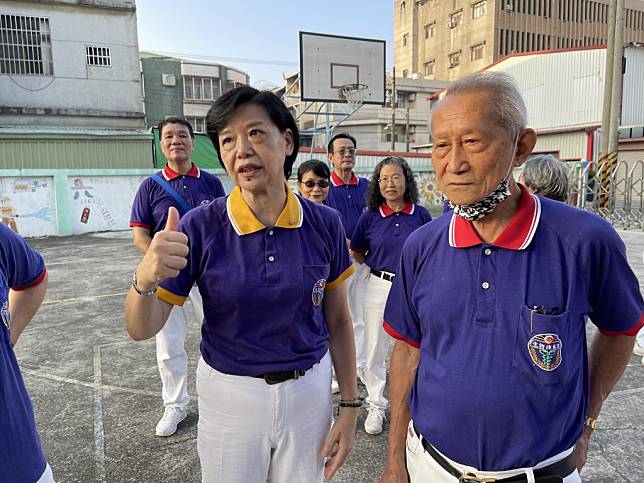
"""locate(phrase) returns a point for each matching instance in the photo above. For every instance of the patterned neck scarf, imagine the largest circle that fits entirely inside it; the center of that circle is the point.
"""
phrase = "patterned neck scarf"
(484, 207)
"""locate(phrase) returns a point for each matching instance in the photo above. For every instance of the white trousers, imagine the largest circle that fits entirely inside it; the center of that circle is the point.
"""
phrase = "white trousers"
(251, 432)
(356, 286)
(47, 476)
(423, 468)
(640, 337)
(377, 340)
(171, 353)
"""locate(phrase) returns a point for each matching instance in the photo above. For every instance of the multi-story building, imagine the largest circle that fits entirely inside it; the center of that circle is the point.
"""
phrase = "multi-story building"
(371, 124)
(70, 63)
(182, 87)
(446, 39)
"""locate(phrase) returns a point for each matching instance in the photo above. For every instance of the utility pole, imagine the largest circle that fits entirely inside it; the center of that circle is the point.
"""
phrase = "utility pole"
(616, 96)
(608, 81)
(393, 110)
(407, 130)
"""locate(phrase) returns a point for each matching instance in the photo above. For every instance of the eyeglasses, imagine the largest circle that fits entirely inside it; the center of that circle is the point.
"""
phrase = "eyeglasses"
(323, 183)
(350, 151)
(395, 179)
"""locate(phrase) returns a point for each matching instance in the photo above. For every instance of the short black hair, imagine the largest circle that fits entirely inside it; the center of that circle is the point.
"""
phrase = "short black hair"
(318, 167)
(175, 120)
(223, 109)
(373, 196)
(341, 135)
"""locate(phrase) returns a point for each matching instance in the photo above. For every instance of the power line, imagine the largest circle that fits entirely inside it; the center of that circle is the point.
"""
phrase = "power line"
(230, 59)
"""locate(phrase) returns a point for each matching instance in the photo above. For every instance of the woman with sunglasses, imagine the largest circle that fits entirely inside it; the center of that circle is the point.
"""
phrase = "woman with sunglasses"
(313, 180)
(271, 269)
(392, 215)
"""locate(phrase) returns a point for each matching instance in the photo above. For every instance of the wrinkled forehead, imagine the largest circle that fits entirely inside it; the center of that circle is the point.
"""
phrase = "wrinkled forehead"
(463, 108)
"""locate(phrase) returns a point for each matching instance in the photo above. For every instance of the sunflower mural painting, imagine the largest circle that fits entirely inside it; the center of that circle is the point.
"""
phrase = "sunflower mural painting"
(430, 196)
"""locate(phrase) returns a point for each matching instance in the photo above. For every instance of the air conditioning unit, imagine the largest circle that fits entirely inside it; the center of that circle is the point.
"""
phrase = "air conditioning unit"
(411, 97)
(509, 6)
(412, 130)
(451, 65)
(452, 24)
(169, 80)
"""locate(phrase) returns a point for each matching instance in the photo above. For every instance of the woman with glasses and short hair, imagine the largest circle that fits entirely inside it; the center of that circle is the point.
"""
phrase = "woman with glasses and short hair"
(393, 213)
(313, 179)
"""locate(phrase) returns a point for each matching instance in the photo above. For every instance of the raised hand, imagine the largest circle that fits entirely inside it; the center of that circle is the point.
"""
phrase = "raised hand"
(166, 255)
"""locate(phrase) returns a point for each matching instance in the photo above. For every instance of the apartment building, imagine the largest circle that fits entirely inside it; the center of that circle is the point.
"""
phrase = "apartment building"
(447, 39)
(184, 87)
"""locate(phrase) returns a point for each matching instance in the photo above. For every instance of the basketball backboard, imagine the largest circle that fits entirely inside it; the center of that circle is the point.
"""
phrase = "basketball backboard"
(328, 62)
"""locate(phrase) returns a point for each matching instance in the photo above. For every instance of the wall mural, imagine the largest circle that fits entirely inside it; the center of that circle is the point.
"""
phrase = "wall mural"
(430, 196)
(101, 203)
(27, 205)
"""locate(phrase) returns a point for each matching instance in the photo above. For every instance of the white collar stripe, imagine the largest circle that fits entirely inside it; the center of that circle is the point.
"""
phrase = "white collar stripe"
(536, 216)
(231, 218)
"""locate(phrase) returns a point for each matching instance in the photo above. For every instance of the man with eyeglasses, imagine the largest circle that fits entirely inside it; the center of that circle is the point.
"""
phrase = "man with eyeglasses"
(347, 195)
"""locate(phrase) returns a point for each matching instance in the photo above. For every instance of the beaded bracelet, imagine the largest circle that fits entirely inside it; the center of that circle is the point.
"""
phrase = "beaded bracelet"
(350, 403)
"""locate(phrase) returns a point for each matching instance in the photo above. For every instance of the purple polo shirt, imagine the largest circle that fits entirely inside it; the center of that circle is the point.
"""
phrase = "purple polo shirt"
(262, 287)
(21, 456)
(381, 234)
(348, 199)
(151, 203)
(498, 386)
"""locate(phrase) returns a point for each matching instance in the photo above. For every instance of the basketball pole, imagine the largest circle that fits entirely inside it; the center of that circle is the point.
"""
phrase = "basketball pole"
(393, 110)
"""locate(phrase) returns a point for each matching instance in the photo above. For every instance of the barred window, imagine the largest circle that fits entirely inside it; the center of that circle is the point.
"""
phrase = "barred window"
(25, 45)
(476, 51)
(478, 9)
(198, 124)
(99, 56)
(430, 30)
(430, 67)
(454, 60)
(200, 88)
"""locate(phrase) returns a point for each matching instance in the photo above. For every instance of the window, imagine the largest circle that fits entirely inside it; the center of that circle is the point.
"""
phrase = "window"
(200, 88)
(455, 19)
(430, 67)
(198, 124)
(403, 7)
(478, 9)
(405, 40)
(430, 30)
(99, 56)
(454, 60)
(476, 51)
(405, 72)
(25, 45)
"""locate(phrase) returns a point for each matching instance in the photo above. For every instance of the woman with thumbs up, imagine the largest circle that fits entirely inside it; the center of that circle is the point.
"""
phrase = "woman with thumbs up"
(271, 269)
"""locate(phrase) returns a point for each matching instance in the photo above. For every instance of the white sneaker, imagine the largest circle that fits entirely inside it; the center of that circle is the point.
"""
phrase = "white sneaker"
(373, 423)
(172, 416)
(335, 387)
(638, 350)
(360, 372)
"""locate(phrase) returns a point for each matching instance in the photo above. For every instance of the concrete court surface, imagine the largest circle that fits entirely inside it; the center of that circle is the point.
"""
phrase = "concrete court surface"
(97, 393)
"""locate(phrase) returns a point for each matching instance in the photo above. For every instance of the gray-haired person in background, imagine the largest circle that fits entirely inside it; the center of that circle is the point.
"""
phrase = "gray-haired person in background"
(546, 176)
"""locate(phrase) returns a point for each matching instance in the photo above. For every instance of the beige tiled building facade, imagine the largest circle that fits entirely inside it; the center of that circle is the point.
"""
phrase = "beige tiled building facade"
(446, 39)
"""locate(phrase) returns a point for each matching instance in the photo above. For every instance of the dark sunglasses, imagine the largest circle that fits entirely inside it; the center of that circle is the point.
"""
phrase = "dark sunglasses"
(323, 183)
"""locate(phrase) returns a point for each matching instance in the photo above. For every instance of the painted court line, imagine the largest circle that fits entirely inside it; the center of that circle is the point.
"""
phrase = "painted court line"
(99, 432)
(83, 299)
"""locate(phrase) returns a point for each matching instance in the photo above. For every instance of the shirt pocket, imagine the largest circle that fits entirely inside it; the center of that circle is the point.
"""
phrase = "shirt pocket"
(545, 350)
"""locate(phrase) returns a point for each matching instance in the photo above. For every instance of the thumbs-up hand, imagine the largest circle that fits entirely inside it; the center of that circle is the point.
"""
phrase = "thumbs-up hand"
(166, 255)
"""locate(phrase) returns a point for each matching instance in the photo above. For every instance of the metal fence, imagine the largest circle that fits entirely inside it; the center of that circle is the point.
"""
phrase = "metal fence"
(618, 197)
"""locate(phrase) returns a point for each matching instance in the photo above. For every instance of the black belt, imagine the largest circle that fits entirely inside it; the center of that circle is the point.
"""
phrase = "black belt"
(385, 276)
(281, 376)
(555, 472)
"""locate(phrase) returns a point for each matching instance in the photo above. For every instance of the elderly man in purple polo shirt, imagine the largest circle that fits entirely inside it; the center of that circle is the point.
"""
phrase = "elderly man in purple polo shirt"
(184, 186)
(348, 196)
(491, 379)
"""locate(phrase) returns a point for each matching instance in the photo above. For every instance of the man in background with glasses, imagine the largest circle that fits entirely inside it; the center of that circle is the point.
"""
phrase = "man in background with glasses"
(347, 195)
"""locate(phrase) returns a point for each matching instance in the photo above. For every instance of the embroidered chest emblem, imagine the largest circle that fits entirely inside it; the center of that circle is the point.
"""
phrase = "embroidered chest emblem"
(545, 351)
(318, 292)
(205, 202)
(4, 312)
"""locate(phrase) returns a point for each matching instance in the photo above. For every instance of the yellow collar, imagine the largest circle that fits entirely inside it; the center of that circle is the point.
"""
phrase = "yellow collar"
(244, 221)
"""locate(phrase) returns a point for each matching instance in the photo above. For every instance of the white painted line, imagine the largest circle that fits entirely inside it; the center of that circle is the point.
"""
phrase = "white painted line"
(99, 430)
(83, 299)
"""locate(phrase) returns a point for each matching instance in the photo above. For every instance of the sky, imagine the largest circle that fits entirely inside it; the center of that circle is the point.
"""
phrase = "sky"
(258, 37)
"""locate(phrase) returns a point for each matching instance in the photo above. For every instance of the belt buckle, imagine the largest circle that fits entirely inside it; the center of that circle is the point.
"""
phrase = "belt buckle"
(472, 478)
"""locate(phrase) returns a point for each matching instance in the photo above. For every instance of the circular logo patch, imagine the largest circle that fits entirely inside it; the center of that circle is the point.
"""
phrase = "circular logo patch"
(545, 351)
(4, 312)
(318, 292)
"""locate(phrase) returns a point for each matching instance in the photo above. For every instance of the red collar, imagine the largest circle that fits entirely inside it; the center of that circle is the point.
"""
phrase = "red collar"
(169, 174)
(516, 236)
(385, 211)
(337, 181)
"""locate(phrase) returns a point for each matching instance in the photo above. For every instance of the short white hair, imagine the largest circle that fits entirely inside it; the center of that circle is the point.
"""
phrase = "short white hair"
(507, 104)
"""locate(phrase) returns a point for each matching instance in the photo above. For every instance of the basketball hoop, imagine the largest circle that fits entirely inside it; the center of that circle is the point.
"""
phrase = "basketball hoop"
(353, 94)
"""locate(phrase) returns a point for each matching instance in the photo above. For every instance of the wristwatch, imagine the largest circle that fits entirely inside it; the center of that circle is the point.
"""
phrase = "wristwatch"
(143, 292)
(590, 422)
